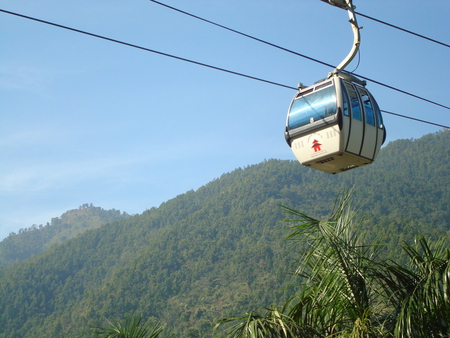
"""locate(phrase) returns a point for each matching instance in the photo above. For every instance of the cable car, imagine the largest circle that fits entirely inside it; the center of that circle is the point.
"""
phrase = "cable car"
(336, 125)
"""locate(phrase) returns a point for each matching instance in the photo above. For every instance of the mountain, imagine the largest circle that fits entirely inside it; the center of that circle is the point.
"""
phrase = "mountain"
(36, 239)
(219, 250)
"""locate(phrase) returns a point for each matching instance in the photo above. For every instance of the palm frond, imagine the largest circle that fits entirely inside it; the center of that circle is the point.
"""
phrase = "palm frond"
(334, 265)
(131, 327)
(347, 292)
(425, 310)
(272, 324)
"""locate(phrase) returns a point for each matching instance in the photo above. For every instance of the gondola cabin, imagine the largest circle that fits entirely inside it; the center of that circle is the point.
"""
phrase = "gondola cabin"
(335, 125)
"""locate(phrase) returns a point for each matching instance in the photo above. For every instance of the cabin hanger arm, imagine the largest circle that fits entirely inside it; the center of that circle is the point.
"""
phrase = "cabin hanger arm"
(348, 6)
(356, 37)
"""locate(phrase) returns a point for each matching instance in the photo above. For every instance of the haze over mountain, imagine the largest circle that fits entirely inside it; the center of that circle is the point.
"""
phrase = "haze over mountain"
(36, 239)
(218, 250)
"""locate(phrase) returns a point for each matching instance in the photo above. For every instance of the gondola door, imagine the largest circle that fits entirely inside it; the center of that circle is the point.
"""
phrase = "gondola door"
(369, 144)
(356, 130)
(381, 130)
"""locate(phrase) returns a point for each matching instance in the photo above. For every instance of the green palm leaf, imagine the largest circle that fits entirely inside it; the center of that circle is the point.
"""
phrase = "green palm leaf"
(336, 292)
(131, 327)
(346, 291)
(420, 293)
(272, 324)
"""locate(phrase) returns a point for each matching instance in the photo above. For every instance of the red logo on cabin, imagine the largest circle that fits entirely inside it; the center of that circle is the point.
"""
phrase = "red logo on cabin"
(316, 145)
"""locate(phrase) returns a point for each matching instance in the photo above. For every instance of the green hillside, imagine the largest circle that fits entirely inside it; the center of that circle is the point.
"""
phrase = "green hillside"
(36, 239)
(219, 250)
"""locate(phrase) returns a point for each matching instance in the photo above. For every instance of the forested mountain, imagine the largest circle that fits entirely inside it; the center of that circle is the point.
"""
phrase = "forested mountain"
(36, 239)
(218, 250)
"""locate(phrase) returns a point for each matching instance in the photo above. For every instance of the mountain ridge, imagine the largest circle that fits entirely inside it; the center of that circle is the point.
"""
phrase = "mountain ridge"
(34, 240)
(218, 250)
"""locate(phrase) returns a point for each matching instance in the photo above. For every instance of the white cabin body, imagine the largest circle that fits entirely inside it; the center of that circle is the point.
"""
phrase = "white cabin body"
(335, 125)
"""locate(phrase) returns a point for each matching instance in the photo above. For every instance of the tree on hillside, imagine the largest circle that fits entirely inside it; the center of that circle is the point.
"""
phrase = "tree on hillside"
(348, 292)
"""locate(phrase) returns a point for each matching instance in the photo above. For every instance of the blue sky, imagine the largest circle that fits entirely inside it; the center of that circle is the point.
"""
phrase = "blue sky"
(84, 120)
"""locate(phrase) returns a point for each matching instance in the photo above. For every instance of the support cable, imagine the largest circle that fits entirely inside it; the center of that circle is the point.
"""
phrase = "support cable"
(404, 30)
(298, 54)
(414, 119)
(146, 49)
(186, 60)
(342, 5)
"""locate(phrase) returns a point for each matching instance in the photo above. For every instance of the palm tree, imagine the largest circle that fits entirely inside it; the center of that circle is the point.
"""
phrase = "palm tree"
(132, 327)
(348, 292)
(272, 324)
(338, 298)
(420, 293)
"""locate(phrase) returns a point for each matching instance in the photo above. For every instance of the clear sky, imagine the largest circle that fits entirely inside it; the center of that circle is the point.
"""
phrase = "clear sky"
(84, 120)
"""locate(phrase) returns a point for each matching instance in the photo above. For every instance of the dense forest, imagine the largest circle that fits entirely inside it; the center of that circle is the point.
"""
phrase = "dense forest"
(38, 238)
(219, 250)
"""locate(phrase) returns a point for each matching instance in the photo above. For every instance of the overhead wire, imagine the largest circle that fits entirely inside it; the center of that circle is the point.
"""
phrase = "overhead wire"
(145, 49)
(331, 2)
(415, 119)
(404, 30)
(298, 54)
(180, 58)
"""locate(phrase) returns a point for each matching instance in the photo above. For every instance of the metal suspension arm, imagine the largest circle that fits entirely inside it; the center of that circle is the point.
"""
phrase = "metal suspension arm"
(356, 37)
(347, 5)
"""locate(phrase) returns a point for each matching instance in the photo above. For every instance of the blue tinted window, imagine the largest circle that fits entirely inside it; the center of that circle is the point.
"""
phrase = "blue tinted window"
(313, 107)
(368, 108)
(378, 113)
(345, 102)
(356, 108)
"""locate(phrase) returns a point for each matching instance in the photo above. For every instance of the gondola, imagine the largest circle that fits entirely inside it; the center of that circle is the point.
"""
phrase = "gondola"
(335, 125)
